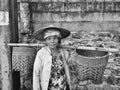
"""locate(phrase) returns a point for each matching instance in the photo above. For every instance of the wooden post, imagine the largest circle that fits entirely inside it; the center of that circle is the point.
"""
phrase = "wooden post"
(13, 11)
(5, 56)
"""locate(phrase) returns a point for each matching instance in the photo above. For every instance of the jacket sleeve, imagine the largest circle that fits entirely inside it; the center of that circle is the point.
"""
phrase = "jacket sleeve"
(37, 72)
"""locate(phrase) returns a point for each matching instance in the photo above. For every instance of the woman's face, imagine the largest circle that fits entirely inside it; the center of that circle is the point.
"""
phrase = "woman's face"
(52, 41)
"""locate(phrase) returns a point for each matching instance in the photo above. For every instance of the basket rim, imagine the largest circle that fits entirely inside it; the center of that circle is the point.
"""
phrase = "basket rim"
(93, 57)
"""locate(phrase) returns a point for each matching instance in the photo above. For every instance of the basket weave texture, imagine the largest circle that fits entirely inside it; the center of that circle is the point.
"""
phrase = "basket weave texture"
(23, 59)
(88, 65)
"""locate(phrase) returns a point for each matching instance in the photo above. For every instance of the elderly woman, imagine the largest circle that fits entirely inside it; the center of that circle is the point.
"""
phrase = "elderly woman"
(50, 67)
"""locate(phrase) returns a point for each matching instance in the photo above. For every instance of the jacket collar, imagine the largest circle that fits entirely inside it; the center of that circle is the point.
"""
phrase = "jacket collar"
(47, 49)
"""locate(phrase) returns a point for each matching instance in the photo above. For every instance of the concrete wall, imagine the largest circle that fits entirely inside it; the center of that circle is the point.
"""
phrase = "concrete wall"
(75, 18)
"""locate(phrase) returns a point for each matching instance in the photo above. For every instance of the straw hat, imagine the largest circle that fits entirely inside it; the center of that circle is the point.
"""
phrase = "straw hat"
(39, 35)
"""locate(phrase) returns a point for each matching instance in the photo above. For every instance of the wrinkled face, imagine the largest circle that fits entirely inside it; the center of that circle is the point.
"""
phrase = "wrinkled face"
(52, 41)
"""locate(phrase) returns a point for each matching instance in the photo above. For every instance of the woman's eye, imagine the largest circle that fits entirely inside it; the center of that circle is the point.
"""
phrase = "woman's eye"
(49, 38)
(55, 37)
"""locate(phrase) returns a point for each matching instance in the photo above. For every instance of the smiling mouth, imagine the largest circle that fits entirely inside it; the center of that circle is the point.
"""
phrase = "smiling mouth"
(52, 45)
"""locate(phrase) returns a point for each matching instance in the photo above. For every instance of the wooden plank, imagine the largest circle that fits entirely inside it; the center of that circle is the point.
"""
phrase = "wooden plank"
(76, 11)
(86, 6)
(5, 57)
(65, 0)
(79, 26)
(71, 17)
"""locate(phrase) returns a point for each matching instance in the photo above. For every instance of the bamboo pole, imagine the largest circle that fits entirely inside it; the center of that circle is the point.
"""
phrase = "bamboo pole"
(68, 47)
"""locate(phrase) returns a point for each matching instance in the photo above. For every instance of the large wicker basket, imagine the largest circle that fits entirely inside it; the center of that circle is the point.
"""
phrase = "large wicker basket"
(22, 61)
(88, 65)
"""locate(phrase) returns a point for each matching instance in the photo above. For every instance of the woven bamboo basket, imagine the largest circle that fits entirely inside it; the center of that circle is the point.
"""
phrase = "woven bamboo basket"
(23, 59)
(88, 65)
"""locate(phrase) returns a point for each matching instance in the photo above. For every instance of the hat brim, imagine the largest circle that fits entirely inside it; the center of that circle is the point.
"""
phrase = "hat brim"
(39, 35)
